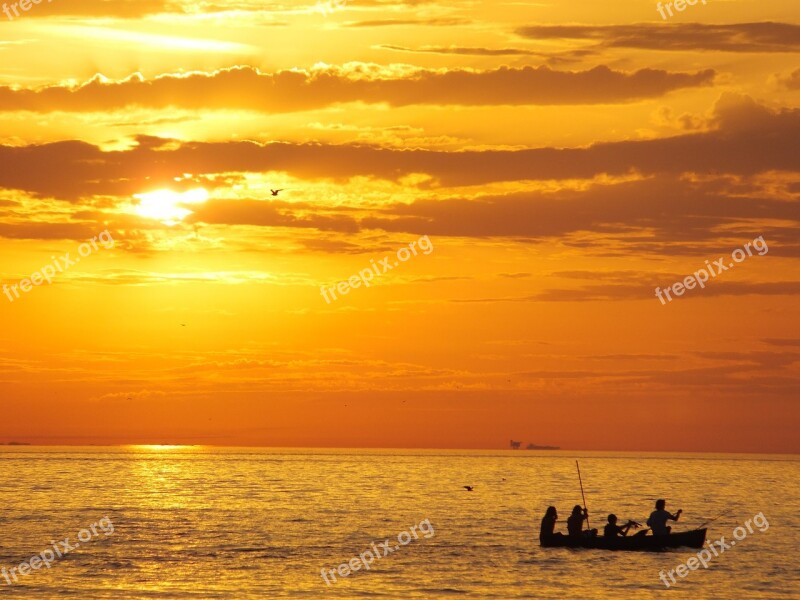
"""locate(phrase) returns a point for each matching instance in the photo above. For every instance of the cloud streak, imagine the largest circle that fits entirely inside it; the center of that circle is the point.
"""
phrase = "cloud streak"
(735, 37)
(293, 90)
(749, 139)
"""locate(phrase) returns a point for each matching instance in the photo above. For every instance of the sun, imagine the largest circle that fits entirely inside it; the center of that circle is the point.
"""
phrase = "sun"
(168, 206)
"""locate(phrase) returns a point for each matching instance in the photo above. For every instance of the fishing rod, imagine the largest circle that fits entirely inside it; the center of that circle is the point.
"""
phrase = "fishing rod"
(582, 494)
(715, 518)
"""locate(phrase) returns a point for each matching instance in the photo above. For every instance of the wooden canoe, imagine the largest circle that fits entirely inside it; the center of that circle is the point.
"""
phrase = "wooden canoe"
(691, 539)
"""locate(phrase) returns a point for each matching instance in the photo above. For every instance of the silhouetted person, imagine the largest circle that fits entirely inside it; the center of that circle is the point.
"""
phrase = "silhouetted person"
(548, 527)
(659, 517)
(575, 523)
(613, 530)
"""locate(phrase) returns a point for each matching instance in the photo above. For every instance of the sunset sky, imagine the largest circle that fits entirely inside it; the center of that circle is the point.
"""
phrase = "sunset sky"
(563, 158)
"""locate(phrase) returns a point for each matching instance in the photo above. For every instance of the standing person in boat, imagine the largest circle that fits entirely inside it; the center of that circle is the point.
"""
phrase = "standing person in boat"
(575, 523)
(547, 530)
(613, 530)
(659, 517)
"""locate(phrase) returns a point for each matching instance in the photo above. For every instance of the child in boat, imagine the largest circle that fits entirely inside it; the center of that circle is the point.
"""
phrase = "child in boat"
(575, 523)
(548, 527)
(613, 530)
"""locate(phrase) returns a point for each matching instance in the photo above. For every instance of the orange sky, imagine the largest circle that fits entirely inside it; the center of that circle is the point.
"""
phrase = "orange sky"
(563, 159)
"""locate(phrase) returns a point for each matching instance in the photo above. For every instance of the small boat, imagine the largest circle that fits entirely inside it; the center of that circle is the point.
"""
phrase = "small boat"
(691, 539)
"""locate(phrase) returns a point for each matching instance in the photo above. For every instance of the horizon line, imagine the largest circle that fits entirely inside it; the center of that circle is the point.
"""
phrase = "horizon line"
(17, 444)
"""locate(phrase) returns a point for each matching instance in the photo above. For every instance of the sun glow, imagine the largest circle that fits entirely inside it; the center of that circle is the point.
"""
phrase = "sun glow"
(167, 206)
(160, 447)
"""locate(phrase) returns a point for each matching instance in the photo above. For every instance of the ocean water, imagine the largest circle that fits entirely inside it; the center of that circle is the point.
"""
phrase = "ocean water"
(196, 522)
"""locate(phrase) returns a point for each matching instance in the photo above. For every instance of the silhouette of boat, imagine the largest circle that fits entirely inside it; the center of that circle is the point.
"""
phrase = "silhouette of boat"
(691, 539)
(535, 447)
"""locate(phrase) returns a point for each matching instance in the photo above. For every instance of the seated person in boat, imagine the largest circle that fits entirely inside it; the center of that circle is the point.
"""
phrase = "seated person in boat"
(659, 517)
(549, 524)
(613, 530)
(575, 523)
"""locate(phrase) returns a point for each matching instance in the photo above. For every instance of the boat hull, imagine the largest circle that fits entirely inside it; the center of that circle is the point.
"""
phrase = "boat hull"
(690, 539)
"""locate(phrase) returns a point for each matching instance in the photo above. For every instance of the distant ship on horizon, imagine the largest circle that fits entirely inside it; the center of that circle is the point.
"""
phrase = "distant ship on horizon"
(515, 446)
(535, 447)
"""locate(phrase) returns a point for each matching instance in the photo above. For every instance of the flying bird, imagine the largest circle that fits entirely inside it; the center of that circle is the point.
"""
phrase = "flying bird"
(275, 192)
(468, 488)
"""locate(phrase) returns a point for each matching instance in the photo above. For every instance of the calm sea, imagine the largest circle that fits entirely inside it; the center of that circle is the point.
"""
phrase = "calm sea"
(198, 522)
